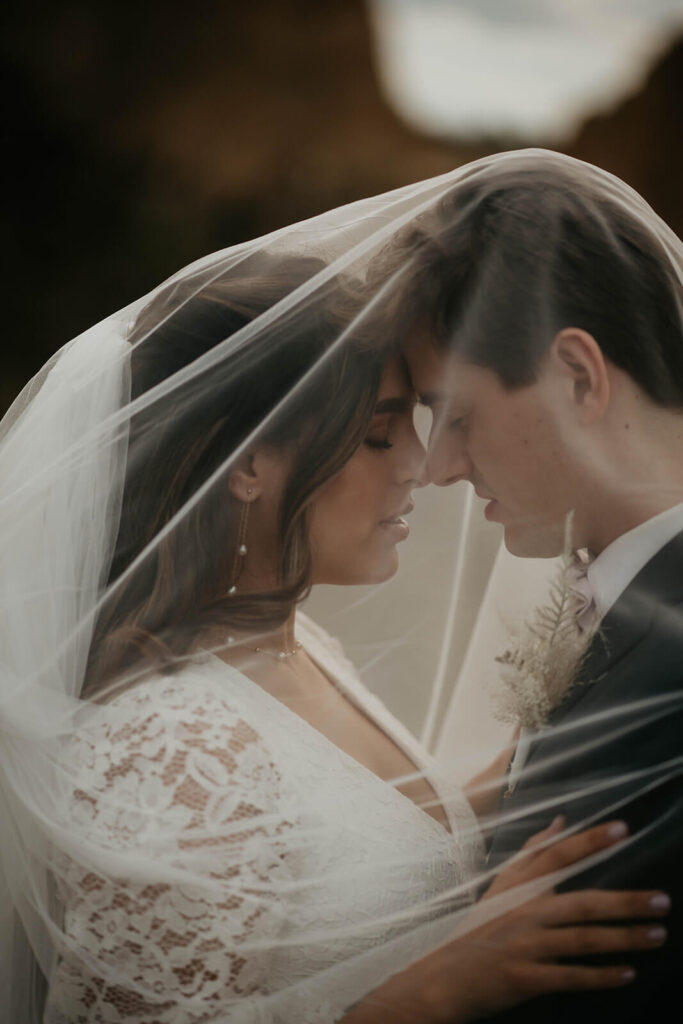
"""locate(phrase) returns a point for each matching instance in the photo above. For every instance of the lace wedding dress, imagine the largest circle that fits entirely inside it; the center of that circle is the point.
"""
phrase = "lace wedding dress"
(205, 748)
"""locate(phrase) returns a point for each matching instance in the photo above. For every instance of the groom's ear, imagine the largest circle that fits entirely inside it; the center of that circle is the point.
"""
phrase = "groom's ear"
(583, 369)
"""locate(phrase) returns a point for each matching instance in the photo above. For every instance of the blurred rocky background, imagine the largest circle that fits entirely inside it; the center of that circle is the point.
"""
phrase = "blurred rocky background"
(138, 136)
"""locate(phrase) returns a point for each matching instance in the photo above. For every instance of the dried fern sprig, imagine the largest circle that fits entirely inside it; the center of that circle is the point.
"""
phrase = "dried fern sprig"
(541, 666)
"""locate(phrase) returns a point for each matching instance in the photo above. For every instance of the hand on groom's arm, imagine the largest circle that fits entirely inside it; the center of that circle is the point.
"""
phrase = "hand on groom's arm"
(484, 789)
(650, 793)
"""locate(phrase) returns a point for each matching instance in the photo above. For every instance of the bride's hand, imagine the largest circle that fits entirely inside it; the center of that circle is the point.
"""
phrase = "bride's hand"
(544, 854)
(521, 954)
(514, 957)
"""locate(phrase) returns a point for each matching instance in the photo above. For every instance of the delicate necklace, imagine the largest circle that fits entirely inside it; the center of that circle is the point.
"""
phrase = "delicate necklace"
(278, 655)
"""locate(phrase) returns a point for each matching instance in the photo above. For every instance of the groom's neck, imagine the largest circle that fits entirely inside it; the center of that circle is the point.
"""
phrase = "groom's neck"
(635, 472)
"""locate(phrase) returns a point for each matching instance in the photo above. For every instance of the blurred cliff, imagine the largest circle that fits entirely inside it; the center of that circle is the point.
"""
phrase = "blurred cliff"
(140, 136)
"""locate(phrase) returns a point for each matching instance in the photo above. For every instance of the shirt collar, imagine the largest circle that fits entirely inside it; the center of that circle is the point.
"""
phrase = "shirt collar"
(621, 561)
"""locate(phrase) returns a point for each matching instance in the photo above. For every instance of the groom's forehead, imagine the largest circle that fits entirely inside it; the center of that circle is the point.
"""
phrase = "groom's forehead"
(436, 375)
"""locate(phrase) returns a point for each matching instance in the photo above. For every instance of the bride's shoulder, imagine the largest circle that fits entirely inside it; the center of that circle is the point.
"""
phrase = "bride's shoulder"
(178, 747)
(199, 709)
(200, 688)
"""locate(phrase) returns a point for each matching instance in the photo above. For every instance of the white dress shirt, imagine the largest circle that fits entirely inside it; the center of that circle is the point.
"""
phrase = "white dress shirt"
(613, 569)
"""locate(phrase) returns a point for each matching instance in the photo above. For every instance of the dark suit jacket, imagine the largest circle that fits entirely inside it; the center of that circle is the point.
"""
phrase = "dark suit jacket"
(616, 751)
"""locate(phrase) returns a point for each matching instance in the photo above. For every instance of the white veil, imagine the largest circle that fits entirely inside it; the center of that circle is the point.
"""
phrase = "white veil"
(67, 419)
(114, 465)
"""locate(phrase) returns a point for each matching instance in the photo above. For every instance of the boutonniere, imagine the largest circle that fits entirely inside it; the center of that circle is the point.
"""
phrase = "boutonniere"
(542, 663)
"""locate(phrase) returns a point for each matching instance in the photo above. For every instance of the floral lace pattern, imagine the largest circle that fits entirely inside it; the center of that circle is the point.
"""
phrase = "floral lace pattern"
(226, 861)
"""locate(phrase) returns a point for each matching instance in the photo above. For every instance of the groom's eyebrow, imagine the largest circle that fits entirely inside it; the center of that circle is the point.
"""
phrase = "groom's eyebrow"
(430, 398)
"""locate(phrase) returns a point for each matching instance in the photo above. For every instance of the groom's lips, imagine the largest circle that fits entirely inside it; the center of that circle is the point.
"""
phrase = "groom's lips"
(490, 510)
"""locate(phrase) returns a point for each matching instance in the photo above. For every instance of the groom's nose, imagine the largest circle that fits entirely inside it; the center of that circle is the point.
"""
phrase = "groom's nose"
(447, 459)
(413, 466)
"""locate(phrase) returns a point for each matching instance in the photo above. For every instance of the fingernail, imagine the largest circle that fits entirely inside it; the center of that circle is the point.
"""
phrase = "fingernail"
(558, 821)
(618, 830)
(660, 902)
(628, 974)
(657, 934)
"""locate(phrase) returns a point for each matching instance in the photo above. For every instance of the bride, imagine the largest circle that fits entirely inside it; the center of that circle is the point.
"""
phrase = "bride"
(209, 817)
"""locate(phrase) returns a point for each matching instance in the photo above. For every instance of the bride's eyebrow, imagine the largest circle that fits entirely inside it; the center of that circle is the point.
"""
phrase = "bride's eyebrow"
(398, 405)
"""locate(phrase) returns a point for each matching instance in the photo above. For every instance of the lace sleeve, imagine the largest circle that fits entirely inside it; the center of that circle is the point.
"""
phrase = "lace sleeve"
(172, 888)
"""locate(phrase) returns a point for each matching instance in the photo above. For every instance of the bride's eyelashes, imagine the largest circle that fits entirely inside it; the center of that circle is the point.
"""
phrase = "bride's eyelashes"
(390, 415)
(378, 443)
(380, 434)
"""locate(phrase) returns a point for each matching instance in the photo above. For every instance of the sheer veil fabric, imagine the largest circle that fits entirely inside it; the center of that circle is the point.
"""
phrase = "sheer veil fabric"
(178, 844)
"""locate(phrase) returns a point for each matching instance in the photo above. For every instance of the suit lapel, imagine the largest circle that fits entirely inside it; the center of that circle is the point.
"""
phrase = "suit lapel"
(655, 595)
(658, 585)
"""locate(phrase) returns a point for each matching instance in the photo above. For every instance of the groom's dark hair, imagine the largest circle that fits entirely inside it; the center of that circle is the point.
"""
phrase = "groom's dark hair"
(506, 262)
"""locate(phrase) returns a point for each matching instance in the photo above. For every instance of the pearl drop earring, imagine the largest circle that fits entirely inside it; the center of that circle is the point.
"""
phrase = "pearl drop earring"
(241, 551)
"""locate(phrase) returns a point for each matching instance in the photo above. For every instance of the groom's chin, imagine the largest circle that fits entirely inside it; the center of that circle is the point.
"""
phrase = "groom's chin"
(530, 540)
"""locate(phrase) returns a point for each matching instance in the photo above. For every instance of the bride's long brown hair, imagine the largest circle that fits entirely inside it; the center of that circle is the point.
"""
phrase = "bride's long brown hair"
(155, 614)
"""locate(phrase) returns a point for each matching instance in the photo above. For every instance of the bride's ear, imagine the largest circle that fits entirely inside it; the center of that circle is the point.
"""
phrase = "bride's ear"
(261, 473)
(245, 481)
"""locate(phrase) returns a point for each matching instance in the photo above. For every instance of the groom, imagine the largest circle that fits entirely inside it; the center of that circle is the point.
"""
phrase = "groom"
(551, 355)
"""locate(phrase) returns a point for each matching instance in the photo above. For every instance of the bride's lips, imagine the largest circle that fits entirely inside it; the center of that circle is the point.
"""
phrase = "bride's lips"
(397, 525)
